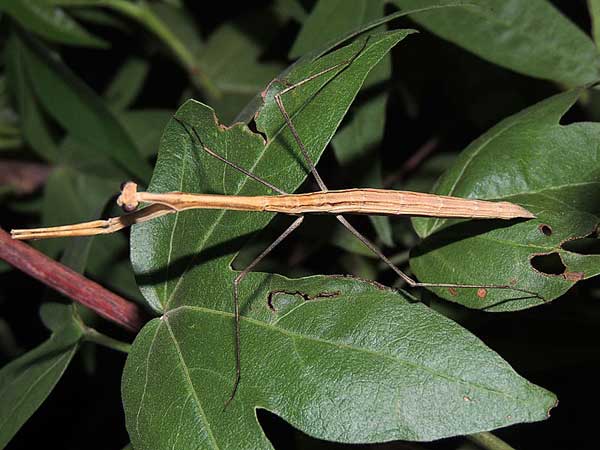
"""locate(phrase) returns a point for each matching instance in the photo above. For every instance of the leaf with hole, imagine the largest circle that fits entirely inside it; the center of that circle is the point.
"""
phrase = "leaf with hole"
(551, 169)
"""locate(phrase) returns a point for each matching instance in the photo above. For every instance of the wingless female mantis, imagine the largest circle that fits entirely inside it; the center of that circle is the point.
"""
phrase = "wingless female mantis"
(337, 203)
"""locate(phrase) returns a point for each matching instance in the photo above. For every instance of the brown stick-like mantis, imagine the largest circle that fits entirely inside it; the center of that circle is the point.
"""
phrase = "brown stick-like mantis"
(352, 201)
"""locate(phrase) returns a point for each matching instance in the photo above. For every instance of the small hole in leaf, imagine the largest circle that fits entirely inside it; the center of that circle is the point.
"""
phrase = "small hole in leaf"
(545, 229)
(549, 264)
(583, 246)
(254, 128)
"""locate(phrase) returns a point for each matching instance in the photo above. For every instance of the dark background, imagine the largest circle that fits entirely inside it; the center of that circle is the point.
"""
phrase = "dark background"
(438, 92)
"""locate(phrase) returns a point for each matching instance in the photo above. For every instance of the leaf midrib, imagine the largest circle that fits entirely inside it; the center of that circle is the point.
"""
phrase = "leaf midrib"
(294, 336)
(188, 380)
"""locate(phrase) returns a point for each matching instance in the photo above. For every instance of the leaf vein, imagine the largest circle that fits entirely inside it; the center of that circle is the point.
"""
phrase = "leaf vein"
(188, 379)
(295, 335)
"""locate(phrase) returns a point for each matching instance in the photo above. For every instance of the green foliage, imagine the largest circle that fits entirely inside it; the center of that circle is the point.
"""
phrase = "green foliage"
(176, 241)
(50, 22)
(339, 358)
(352, 359)
(529, 36)
(562, 191)
(26, 381)
(80, 111)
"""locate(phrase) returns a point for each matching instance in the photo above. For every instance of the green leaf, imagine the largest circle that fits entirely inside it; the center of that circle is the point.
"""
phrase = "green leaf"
(231, 59)
(145, 127)
(81, 111)
(356, 140)
(366, 366)
(34, 126)
(528, 36)
(594, 8)
(331, 19)
(198, 172)
(127, 83)
(26, 381)
(57, 316)
(290, 9)
(530, 159)
(50, 22)
(312, 348)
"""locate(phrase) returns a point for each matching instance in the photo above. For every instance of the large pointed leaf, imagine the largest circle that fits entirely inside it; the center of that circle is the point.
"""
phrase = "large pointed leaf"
(364, 366)
(28, 380)
(528, 158)
(339, 358)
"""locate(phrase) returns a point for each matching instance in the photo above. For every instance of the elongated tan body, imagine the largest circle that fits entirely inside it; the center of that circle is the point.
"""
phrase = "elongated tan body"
(353, 201)
(347, 201)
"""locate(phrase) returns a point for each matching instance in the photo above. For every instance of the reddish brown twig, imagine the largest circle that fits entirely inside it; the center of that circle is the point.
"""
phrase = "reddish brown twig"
(70, 283)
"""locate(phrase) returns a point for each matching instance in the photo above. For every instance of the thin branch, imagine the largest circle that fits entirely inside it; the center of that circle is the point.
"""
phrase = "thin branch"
(489, 441)
(92, 335)
(70, 283)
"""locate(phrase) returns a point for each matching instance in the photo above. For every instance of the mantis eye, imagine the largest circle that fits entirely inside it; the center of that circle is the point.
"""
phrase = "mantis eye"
(128, 199)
